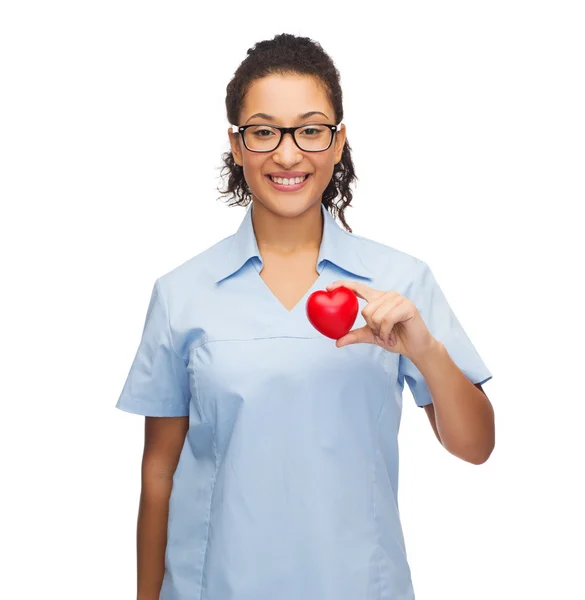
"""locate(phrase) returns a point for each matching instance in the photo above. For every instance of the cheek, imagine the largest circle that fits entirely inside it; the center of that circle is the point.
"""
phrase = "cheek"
(324, 167)
(327, 160)
(253, 165)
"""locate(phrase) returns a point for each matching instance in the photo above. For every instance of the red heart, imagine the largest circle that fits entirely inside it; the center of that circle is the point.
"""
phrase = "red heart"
(332, 313)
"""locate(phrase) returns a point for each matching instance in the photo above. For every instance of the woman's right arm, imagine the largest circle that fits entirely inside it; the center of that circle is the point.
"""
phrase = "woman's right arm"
(163, 441)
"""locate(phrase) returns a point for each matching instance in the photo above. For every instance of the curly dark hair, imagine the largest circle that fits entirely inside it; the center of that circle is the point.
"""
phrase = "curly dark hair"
(288, 54)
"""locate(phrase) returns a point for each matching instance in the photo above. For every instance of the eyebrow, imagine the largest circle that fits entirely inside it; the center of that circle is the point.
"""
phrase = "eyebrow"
(303, 116)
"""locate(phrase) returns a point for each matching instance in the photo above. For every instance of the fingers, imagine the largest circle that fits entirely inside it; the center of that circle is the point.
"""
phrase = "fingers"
(360, 335)
(382, 323)
(361, 290)
(370, 309)
(387, 320)
(391, 321)
(375, 313)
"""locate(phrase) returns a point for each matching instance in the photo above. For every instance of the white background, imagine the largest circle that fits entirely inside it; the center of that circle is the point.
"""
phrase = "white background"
(467, 126)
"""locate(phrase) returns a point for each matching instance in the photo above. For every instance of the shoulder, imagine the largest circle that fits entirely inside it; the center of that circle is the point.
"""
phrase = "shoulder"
(191, 283)
(188, 290)
(386, 261)
(196, 270)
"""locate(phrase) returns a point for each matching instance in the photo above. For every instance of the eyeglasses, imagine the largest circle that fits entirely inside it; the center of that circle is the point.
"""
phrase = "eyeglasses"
(266, 138)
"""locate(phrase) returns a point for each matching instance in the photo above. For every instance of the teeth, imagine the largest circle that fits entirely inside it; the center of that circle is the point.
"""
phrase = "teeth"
(285, 181)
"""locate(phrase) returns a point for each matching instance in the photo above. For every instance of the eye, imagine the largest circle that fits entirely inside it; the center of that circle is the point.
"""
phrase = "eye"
(311, 131)
(262, 131)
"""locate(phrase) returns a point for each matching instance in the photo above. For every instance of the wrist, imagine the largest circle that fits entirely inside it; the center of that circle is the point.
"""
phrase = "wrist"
(426, 354)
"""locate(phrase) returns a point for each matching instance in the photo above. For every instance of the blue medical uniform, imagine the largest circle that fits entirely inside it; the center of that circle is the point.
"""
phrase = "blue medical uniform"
(286, 486)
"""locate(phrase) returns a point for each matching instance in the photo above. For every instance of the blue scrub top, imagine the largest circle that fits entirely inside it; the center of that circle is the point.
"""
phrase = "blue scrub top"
(286, 486)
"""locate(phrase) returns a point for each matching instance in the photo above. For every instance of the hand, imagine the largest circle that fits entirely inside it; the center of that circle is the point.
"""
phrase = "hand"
(392, 322)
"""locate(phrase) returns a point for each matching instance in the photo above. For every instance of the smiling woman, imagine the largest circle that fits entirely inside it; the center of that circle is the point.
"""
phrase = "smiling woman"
(286, 82)
(284, 453)
(286, 143)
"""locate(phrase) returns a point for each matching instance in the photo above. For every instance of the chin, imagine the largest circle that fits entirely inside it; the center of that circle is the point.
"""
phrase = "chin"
(288, 207)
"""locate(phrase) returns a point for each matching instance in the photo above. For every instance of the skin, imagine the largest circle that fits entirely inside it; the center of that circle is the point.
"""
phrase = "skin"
(286, 223)
(163, 440)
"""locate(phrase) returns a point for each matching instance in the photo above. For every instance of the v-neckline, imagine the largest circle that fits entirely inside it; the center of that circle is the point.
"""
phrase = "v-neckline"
(289, 313)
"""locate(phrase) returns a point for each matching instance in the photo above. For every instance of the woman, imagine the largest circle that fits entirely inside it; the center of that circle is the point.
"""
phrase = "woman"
(277, 462)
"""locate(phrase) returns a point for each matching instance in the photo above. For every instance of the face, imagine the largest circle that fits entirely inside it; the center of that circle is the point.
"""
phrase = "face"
(285, 98)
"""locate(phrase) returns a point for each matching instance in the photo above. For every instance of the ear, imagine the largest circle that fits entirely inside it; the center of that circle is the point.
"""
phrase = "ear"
(339, 142)
(236, 148)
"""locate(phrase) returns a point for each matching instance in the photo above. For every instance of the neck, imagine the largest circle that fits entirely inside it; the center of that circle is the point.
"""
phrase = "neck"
(286, 236)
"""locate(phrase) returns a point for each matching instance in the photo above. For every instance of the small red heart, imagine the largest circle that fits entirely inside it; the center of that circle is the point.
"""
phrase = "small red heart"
(332, 313)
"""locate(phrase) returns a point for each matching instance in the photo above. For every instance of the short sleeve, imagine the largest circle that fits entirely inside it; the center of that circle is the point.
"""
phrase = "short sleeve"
(442, 323)
(158, 382)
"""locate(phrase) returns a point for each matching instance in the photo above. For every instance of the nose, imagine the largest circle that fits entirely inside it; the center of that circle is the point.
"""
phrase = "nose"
(288, 153)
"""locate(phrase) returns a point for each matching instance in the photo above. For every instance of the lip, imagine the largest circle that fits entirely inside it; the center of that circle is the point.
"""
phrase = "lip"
(288, 174)
(289, 188)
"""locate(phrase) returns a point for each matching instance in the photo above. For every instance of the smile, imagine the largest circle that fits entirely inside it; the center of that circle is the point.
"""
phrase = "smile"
(288, 185)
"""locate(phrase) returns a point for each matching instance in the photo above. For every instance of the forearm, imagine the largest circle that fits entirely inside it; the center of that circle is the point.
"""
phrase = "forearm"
(463, 413)
(151, 535)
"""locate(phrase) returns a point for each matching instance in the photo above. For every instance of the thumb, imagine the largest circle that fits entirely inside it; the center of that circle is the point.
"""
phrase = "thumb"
(361, 335)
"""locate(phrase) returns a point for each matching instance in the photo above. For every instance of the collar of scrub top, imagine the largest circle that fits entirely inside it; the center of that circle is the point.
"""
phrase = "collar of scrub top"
(336, 247)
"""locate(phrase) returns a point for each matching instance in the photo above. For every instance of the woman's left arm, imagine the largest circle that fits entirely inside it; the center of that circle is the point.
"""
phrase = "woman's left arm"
(464, 415)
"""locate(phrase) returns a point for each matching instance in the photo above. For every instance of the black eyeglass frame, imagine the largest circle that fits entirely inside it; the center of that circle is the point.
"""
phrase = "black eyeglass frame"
(240, 129)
